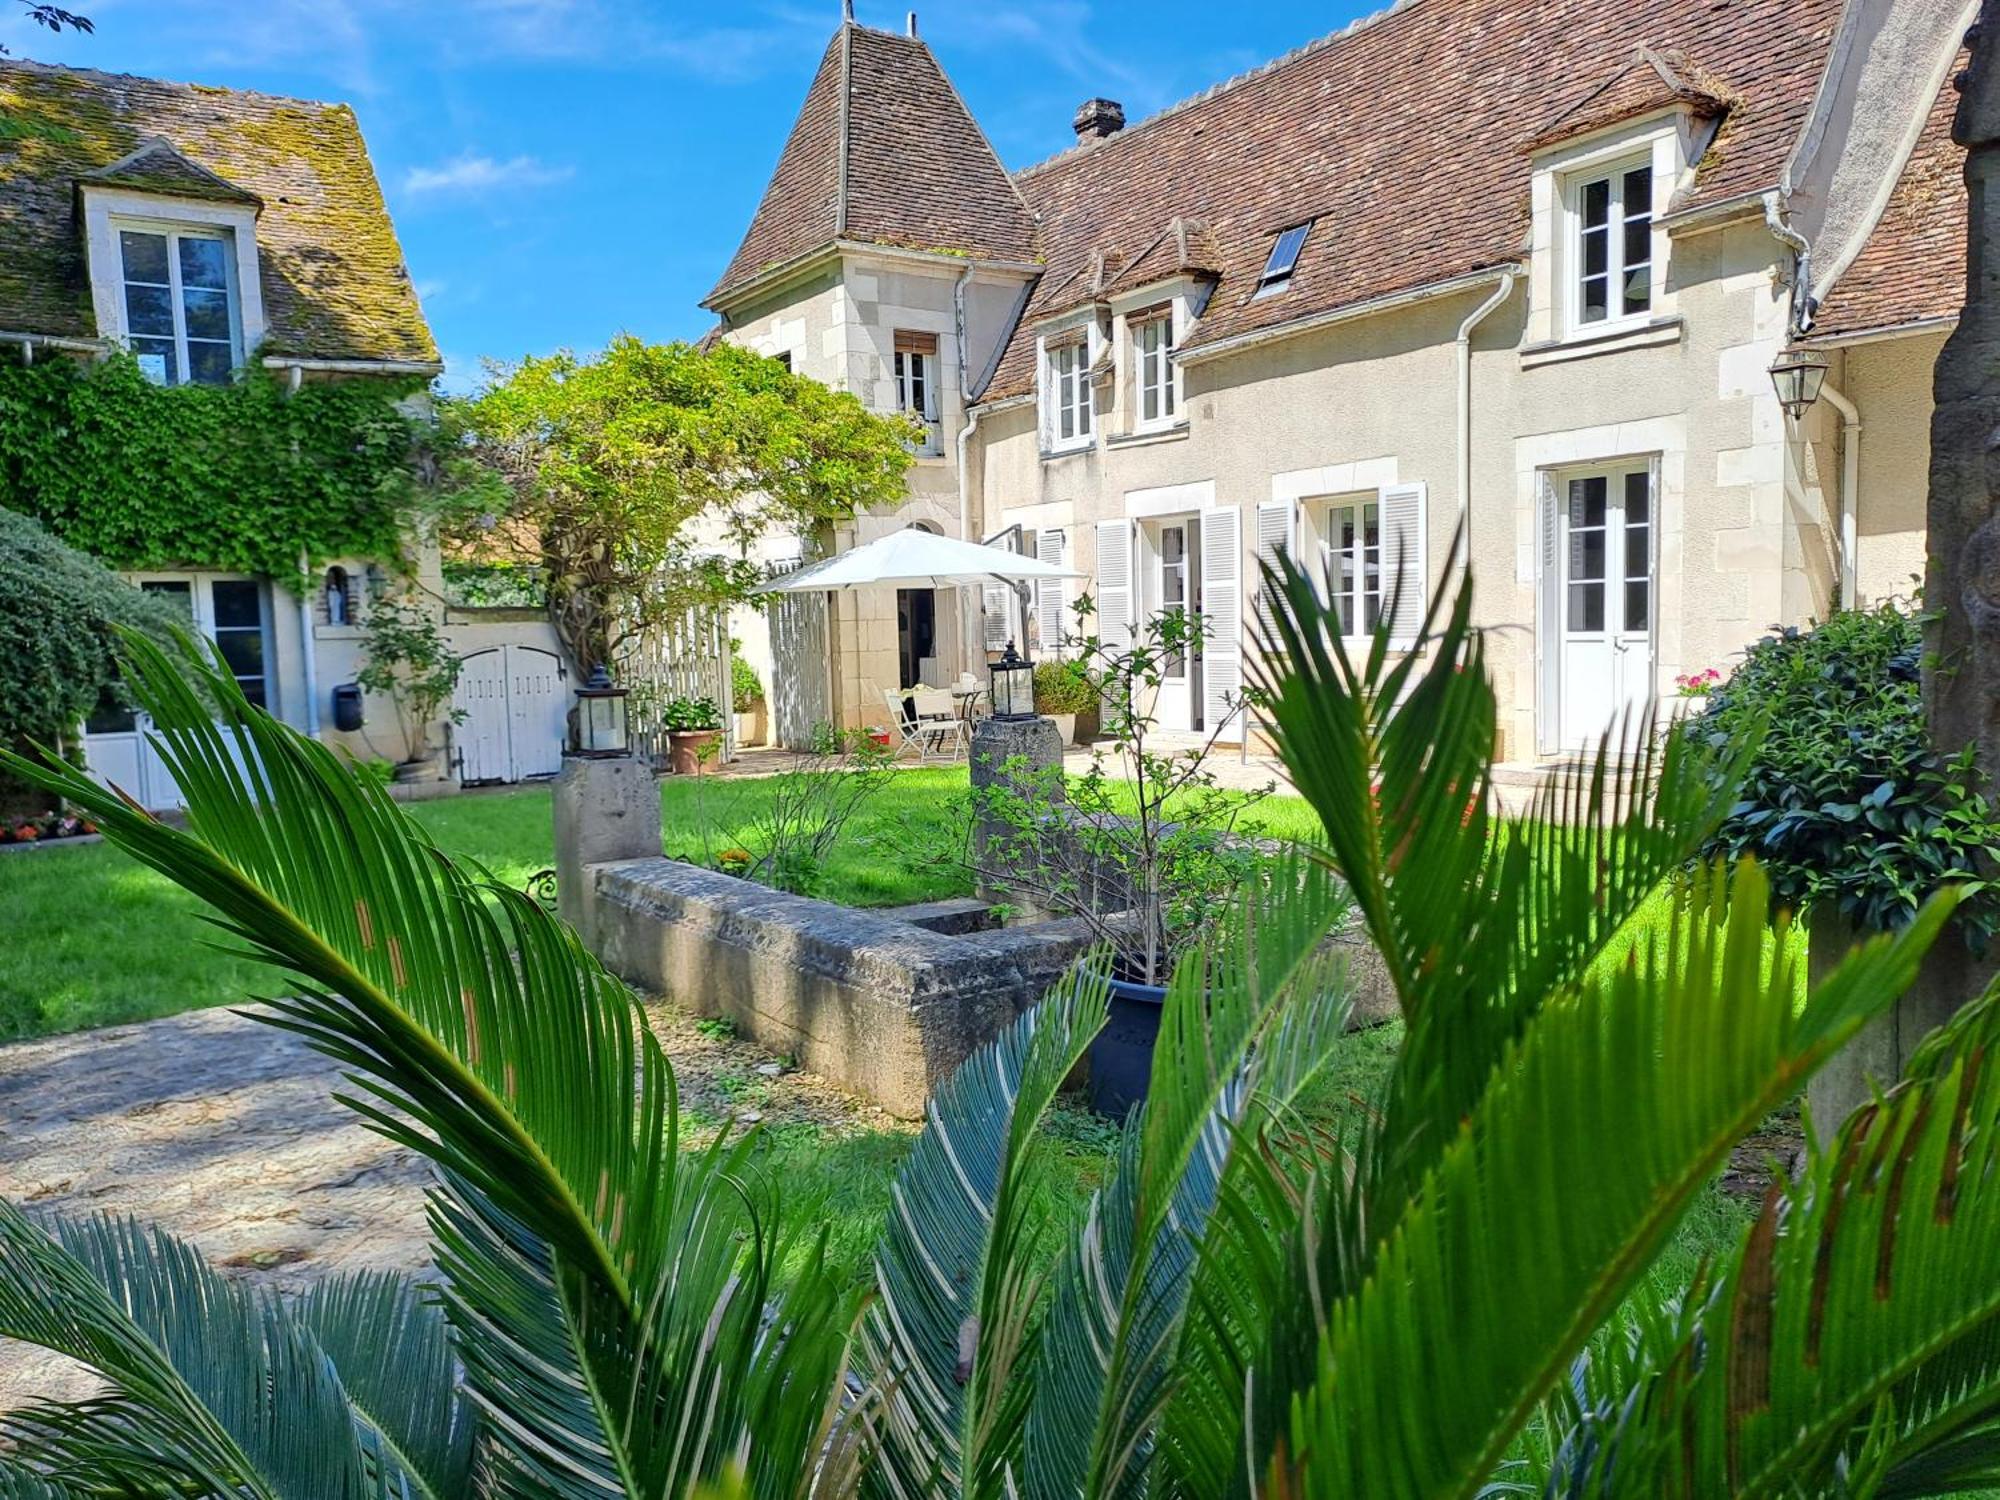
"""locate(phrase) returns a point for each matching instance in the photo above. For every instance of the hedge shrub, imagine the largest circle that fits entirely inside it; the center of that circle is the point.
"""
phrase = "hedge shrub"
(1848, 803)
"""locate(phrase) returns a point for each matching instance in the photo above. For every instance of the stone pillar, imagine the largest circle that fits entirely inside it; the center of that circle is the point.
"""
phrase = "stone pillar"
(1962, 583)
(1021, 754)
(606, 808)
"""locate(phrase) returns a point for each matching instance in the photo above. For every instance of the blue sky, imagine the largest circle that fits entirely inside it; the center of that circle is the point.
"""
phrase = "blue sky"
(564, 169)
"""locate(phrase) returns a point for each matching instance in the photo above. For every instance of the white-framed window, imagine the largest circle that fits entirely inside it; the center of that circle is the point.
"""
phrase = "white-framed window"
(1611, 243)
(178, 302)
(1066, 386)
(1350, 550)
(1159, 380)
(916, 383)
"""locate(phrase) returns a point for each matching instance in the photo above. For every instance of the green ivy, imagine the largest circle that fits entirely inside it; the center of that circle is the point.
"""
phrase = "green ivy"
(239, 477)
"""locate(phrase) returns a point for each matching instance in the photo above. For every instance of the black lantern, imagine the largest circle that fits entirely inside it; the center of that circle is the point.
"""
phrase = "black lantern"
(1798, 374)
(600, 716)
(1013, 686)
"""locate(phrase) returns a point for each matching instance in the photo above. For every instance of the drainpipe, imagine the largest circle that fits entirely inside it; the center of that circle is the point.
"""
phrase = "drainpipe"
(1848, 503)
(1801, 320)
(307, 648)
(1478, 315)
(971, 418)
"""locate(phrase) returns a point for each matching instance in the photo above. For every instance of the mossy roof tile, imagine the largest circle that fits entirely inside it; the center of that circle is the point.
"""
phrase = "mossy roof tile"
(334, 281)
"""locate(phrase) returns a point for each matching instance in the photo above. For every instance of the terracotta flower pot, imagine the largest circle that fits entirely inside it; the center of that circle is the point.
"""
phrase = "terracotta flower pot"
(685, 747)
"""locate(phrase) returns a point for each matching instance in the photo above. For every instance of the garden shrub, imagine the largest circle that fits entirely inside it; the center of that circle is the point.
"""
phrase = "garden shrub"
(58, 611)
(1064, 687)
(1848, 805)
(745, 690)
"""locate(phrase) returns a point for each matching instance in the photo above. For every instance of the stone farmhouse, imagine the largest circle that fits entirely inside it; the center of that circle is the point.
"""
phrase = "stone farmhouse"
(205, 228)
(1511, 270)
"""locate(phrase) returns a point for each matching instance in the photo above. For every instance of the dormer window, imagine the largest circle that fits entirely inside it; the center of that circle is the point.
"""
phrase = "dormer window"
(1283, 259)
(1612, 213)
(1153, 349)
(178, 303)
(1066, 393)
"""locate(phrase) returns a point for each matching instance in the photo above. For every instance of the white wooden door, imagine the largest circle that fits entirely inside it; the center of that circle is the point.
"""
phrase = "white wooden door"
(1176, 546)
(1605, 600)
(537, 711)
(482, 733)
(515, 708)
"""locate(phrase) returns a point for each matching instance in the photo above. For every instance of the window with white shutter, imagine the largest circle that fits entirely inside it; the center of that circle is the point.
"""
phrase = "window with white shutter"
(1404, 562)
(1548, 616)
(997, 605)
(1114, 583)
(1222, 615)
(1277, 530)
(1051, 601)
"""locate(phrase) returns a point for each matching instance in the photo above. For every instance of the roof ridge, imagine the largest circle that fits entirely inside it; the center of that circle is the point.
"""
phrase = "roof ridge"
(1226, 85)
(30, 64)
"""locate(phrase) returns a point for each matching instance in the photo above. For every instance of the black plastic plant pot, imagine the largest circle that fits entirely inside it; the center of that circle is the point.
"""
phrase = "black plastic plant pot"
(1121, 1056)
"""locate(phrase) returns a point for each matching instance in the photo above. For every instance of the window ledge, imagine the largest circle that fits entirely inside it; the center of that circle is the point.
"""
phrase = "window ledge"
(1166, 432)
(1069, 451)
(1605, 341)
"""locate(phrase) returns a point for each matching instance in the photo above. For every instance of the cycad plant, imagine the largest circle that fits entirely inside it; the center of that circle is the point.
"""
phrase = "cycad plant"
(1448, 1297)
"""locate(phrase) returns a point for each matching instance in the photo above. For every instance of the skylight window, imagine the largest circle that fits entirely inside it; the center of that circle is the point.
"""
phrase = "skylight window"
(1284, 257)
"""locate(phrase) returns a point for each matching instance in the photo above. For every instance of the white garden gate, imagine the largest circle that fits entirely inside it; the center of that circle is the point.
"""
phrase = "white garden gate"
(515, 711)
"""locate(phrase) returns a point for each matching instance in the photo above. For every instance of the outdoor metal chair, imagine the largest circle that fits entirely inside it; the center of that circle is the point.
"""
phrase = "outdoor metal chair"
(932, 737)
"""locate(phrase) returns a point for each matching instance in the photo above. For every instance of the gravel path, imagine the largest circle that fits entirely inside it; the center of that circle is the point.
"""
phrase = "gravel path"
(225, 1131)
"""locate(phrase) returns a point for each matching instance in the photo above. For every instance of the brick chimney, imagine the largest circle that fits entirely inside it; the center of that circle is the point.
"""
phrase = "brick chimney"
(1097, 118)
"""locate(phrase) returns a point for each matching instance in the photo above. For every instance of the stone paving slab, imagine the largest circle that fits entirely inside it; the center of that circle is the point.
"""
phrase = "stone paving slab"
(225, 1131)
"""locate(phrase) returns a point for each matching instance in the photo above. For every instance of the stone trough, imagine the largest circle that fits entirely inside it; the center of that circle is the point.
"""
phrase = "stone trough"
(883, 1003)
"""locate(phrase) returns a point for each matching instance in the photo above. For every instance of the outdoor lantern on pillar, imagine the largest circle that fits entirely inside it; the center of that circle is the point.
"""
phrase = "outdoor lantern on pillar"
(1013, 686)
(1798, 374)
(600, 716)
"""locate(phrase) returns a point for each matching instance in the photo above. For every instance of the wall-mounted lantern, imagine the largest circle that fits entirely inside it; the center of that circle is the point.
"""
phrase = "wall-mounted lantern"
(600, 716)
(1798, 374)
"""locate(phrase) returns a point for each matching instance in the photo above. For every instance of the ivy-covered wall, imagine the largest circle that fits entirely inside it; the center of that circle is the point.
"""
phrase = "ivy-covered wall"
(237, 478)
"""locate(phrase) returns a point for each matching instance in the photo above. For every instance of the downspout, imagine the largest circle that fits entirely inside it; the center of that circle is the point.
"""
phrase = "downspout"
(967, 631)
(1478, 315)
(1803, 307)
(1848, 503)
(307, 647)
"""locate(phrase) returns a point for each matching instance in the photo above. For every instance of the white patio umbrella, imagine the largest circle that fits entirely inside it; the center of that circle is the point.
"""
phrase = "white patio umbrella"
(917, 559)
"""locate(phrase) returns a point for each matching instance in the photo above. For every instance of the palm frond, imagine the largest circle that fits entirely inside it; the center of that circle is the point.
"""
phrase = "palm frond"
(1859, 1320)
(954, 1295)
(1603, 1122)
(213, 1389)
(1246, 1018)
(393, 1353)
(1477, 926)
(479, 1032)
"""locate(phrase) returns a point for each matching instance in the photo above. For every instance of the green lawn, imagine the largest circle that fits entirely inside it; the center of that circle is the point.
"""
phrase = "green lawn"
(94, 939)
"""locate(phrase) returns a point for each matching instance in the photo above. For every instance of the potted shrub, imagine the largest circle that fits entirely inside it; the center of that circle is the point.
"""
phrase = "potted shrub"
(693, 726)
(406, 658)
(1148, 858)
(746, 699)
(1064, 689)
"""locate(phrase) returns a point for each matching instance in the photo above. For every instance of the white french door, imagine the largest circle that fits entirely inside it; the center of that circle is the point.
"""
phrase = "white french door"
(234, 614)
(1602, 598)
(1176, 587)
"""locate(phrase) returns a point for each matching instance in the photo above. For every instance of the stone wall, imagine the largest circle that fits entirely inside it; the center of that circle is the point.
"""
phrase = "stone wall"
(872, 1001)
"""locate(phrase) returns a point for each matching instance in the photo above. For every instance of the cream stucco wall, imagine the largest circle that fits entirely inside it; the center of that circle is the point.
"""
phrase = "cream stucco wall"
(1889, 382)
(839, 326)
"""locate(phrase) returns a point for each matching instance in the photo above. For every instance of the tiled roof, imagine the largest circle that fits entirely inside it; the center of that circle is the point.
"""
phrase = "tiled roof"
(1912, 267)
(883, 151)
(1643, 83)
(333, 278)
(1401, 138)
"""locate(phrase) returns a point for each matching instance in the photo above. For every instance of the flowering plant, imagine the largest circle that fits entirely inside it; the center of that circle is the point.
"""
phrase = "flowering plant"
(1697, 684)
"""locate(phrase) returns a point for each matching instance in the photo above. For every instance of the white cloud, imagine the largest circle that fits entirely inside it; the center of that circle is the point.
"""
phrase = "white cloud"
(473, 173)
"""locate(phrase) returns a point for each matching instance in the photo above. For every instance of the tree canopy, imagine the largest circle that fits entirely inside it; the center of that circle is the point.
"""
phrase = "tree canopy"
(638, 477)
